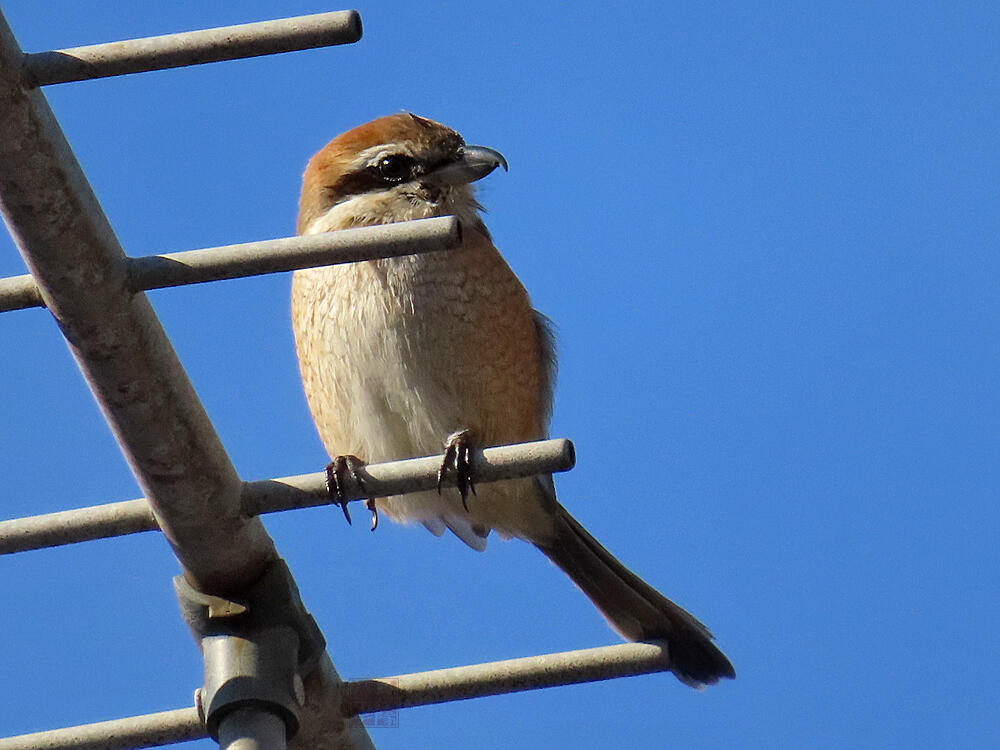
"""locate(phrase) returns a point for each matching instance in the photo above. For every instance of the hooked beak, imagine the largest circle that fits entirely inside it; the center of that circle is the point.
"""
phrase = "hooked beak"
(473, 163)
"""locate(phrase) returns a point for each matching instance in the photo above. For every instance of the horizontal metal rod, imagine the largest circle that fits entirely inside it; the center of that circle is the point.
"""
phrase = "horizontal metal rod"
(149, 730)
(411, 475)
(285, 493)
(369, 696)
(499, 677)
(193, 47)
(267, 256)
(19, 293)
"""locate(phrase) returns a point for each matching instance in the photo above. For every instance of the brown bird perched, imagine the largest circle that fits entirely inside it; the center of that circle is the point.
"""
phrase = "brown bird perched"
(399, 355)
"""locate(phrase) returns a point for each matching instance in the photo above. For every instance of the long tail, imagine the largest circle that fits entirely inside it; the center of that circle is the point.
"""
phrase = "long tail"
(633, 607)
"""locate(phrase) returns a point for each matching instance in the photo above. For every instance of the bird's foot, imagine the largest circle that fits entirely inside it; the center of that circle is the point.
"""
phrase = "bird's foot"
(457, 455)
(337, 473)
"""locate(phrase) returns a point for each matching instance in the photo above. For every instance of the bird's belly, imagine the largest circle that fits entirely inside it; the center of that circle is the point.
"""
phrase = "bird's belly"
(392, 364)
(396, 411)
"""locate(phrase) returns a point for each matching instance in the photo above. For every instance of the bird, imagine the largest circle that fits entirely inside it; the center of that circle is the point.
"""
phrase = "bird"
(442, 353)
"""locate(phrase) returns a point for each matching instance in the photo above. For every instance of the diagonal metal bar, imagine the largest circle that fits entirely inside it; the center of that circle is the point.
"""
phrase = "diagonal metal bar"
(268, 256)
(193, 47)
(130, 366)
(119, 344)
(369, 696)
(284, 493)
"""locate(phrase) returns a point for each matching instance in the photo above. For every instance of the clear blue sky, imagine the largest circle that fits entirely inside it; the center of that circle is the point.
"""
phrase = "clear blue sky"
(768, 235)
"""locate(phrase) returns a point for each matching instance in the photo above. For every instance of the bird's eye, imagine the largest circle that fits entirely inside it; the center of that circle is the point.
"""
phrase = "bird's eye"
(395, 168)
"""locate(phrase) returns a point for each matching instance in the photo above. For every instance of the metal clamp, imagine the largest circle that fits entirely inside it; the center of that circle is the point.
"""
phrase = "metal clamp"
(256, 647)
(256, 673)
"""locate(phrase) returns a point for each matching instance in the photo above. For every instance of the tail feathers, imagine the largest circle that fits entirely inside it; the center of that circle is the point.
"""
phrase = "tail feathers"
(633, 607)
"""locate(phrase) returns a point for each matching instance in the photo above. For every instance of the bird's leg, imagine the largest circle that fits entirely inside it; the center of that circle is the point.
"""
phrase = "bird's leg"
(457, 455)
(337, 472)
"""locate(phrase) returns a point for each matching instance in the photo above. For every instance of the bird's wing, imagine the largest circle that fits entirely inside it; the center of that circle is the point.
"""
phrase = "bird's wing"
(547, 356)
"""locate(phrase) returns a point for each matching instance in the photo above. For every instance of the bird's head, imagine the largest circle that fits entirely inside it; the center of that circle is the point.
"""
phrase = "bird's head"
(395, 168)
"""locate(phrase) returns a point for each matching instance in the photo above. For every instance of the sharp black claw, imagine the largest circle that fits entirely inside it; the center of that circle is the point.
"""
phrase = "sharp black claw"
(334, 487)
(457, 457)
(335, 481)
(370, 504)
(448, 460)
